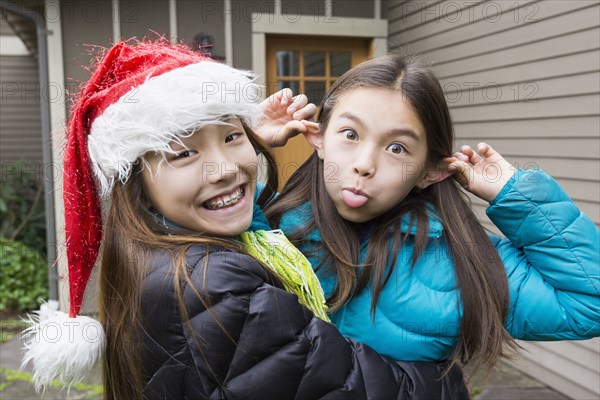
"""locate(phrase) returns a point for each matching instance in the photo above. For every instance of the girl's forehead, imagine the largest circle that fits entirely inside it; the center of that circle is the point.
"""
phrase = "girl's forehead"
(380, 106)
(371, 94)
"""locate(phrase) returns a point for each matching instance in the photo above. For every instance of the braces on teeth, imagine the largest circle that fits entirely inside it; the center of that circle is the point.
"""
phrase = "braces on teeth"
(223, 203)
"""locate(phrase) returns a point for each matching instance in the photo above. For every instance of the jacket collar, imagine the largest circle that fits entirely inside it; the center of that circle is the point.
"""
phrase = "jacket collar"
(302, 215)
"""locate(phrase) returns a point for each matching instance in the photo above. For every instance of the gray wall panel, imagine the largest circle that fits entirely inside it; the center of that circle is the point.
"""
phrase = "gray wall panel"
(526, 80)
(144, 18)
(244, 12)
(5, 29)
(353, 8)
(20, 118)
(85, 24)
(194, 17)
(303, 7)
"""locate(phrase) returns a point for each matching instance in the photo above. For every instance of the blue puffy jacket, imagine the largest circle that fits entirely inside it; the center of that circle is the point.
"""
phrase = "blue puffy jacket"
(551, 256)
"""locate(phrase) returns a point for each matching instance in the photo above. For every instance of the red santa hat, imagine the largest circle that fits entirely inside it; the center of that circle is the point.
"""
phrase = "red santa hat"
(141, 97)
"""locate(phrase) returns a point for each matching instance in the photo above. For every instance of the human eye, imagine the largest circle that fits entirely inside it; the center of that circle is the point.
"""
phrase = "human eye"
(231, 137)
(396, 148)
(350, 134)
(183, 154)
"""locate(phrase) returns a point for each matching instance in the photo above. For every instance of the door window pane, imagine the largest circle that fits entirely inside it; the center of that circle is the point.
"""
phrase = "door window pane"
(294, 85)
(288, 63)
(341, 61)
(314, 91)
(314, 63)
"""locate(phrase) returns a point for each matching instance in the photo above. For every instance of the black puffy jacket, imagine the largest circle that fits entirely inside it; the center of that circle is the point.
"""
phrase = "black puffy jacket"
(256, 341)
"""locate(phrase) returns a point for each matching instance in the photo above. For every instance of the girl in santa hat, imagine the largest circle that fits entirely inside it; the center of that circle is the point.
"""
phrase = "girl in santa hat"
(197, 298)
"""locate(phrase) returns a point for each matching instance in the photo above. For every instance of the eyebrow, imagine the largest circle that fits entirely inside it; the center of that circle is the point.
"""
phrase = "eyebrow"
(396, 132)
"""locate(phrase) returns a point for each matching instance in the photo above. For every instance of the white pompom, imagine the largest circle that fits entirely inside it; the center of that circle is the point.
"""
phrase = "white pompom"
(61, 348)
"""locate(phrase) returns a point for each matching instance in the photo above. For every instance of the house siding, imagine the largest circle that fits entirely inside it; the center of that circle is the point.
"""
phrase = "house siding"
(20, 119)
(524, 77)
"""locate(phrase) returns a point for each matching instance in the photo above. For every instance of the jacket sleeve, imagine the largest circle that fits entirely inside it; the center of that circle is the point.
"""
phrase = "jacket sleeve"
(257, 341)
(551, 255)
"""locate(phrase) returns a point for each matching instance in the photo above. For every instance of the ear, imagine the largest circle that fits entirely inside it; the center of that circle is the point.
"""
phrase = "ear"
(314, 137)
(434, 175)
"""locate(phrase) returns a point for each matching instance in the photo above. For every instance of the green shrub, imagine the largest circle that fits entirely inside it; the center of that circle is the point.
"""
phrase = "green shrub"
(22, 211)
(23, 276)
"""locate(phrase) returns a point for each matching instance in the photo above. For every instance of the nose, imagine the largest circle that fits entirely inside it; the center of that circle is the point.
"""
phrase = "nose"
(222, 169)
(365, 163)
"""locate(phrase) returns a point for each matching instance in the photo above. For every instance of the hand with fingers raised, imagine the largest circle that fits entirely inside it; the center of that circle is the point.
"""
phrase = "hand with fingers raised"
(483, 172)
(282, 117)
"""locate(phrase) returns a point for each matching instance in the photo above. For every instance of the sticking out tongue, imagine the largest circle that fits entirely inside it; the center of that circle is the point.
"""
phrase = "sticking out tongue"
(353, 200)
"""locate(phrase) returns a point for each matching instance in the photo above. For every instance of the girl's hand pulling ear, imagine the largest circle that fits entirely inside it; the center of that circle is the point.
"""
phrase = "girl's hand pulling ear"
(311, 127)
(483, 173)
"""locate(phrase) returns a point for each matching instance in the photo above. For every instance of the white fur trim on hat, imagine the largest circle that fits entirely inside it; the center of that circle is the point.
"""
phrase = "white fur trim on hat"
(150, 116)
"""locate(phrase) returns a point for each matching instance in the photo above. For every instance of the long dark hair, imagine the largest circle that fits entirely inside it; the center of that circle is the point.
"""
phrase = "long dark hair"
(131, 234)
(478, 268)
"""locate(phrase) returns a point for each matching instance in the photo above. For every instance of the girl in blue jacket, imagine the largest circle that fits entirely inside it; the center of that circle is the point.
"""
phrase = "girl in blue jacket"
(405, 265)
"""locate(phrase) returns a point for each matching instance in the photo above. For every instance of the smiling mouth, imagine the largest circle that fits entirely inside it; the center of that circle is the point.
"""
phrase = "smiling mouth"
(228, 200)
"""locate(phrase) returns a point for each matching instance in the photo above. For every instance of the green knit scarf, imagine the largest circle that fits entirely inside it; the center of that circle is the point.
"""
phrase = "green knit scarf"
(275, 251)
